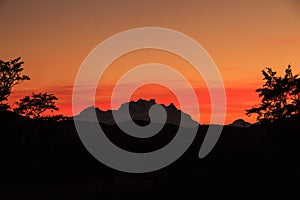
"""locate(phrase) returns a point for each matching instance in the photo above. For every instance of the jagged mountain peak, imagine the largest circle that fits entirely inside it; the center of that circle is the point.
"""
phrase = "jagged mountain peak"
(139, 110)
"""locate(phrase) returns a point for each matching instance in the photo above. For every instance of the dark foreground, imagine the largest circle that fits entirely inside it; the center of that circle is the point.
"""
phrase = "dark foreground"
(46, 160)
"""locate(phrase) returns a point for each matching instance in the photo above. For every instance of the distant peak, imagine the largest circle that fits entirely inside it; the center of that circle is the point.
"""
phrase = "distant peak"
(240, 123)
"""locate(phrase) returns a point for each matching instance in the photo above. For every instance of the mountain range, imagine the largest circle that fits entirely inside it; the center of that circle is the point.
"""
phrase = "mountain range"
(139, 112)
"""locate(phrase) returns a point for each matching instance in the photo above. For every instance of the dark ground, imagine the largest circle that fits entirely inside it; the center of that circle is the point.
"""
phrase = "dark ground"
(46, 160)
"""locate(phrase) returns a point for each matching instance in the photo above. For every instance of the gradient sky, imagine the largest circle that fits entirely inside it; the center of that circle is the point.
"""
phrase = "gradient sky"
(242, 37)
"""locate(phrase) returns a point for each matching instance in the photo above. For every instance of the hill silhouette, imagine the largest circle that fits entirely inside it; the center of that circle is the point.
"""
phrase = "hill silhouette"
(240, 123)
(46, 160)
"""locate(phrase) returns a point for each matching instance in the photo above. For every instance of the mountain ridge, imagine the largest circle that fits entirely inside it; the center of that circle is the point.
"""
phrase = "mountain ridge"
(139, 111)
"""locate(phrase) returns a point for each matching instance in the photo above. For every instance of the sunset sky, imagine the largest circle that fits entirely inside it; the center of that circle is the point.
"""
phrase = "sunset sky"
(242, 37)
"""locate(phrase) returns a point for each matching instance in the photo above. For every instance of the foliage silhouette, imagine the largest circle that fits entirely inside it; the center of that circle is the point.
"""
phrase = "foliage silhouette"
(37, 106)
(280, 96)
(10, 76)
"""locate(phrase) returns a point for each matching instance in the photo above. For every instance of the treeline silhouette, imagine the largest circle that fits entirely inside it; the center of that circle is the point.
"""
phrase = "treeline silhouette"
(45, 159)
(37, 106)
(280, 96)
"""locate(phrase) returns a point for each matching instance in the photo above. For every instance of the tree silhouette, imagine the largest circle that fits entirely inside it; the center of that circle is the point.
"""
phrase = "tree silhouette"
(280, 96)
(37, 106)
(10, 76)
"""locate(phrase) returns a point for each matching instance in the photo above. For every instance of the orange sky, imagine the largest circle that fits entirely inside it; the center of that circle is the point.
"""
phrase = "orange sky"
(242, 37)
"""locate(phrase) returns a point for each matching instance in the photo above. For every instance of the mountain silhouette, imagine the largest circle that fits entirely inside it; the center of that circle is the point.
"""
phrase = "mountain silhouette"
(240, 123)
(139, 113)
